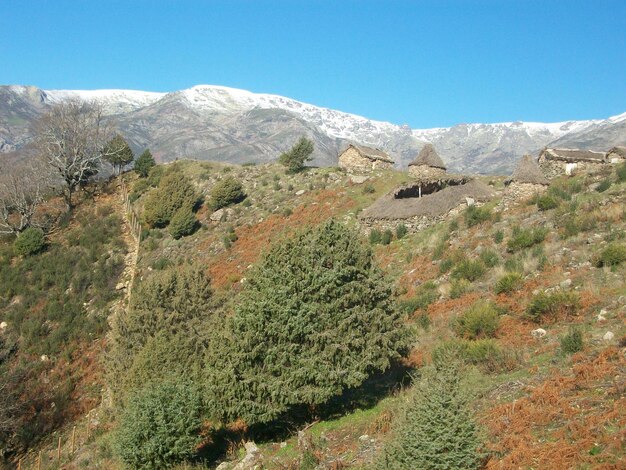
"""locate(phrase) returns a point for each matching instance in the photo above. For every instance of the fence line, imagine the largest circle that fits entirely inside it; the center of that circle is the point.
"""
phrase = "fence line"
(133, 220)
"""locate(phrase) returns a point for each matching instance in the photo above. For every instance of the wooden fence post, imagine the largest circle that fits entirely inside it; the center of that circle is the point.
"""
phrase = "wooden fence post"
(59, 452)
(39, 461)
(19, 464)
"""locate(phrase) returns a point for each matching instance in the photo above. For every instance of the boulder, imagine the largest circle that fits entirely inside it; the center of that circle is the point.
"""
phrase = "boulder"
(608, 336)
(358, 179)
(3, 325)
(538, 333)
(300, 192)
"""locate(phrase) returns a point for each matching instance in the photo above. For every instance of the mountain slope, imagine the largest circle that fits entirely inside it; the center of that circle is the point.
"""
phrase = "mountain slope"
(227, 124)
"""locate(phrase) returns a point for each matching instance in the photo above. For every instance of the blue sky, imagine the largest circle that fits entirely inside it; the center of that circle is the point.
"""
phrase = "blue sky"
(421, 63)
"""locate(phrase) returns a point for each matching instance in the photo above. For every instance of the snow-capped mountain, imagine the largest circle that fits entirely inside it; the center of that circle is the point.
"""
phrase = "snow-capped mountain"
(221, 123)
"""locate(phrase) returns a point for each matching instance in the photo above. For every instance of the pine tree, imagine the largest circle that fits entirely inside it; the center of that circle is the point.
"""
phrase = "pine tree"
(295, 158)
(315, 318)
(437, 430)
(144, 163)
(118, 153)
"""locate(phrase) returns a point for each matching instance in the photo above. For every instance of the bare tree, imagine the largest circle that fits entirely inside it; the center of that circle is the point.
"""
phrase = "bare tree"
(22, 190)
(71, 138)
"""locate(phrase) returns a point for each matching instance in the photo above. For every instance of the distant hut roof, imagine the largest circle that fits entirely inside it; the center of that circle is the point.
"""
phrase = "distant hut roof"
(371, 153)
(527, 171)
(618, 150)
(428, 156)
(432, 205)
(574, 155)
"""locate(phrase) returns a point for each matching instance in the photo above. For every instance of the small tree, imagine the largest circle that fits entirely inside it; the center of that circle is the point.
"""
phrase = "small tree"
(226, 192)
(437, 430)
(144, 163)
(160, 426)
(295, 158)
(118, 153)
(316, 317)
(29, 242)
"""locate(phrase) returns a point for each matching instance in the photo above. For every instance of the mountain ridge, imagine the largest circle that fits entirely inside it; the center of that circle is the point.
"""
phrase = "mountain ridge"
(229, 124)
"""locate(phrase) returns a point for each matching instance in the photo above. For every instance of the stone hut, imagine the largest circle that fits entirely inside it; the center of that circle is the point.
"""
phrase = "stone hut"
(526, 181)
(427, 165)
(556, 162)
(359, 158)
(616, 155)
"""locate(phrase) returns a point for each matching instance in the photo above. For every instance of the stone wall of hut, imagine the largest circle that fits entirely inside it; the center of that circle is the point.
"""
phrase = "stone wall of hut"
(554, 168)
(516, 193)
(426, 172)
(352, 160)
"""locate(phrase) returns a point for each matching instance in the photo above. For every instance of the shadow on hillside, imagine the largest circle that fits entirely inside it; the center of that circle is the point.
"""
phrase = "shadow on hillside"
(366, 396)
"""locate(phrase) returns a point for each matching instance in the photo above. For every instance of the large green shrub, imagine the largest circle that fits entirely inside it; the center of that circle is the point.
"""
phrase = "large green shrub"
(29, 242)
(183, 223)
(479, 321)
(175, 191)
(226, 192)
(160, 425)
(437, 429)
(315, 318)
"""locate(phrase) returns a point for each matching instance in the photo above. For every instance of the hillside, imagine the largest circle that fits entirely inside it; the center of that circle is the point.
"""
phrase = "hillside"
(531, 297)
(237, 126)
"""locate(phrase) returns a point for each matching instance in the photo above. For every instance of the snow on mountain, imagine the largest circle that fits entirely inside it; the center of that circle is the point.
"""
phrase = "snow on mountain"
(113, 101)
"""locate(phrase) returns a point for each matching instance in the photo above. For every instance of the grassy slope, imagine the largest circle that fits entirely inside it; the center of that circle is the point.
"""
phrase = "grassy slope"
(540, 408)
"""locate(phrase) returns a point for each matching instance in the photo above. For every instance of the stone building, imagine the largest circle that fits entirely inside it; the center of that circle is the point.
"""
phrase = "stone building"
(359, 158)
(427, 165)
(526, 181)
(616, 155)
(557, 162)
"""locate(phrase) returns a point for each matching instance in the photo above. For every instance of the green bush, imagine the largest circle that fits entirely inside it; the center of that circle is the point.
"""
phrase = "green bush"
(437, 429)
(479, 321)
(226, 192)
(572, 342)
(484, 353)
(547, 202)
(612, 255)
(445, 265)
(424, 296)
(175, 191)
(183, 223)
(368, 189)
(475, 215)
(525, 238)
(551, 304)
(469, 270)
(401, 231)
(375, 236)
(386, 237)
(331, 322)
(508, 283)
(155, 174)
(31, 241)
(159, 426)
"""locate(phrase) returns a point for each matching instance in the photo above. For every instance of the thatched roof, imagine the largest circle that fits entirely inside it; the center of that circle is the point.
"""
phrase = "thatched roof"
(428, 156)
(527, 171)
(432, 205)
(619, 151)
(574, 155)
(371, 153)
